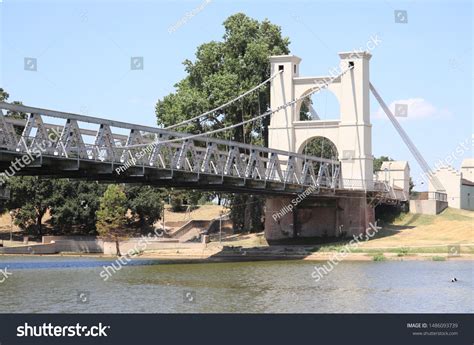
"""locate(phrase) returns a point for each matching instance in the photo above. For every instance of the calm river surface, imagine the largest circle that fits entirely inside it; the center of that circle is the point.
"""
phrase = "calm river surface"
(73, 285)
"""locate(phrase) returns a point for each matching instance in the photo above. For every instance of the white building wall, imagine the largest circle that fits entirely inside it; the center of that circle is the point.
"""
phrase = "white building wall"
(467, 169)
(450, 178)
(396, 174)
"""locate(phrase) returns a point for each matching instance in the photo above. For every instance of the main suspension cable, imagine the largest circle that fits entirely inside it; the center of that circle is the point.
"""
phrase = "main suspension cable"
(225, 104)
(267, 113)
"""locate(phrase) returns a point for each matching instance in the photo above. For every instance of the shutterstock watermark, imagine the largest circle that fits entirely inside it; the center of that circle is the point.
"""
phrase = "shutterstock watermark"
(337, 257)
(373, 42)
(116, 266)
(29, 157)
(49, 330)
(188, 16)
(4, 275)
(294, 202)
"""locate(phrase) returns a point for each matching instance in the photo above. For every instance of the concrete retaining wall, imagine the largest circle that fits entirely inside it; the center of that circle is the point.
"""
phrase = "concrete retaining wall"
(94, 246)
(49, 239)
(32, 249)
(97, 246)
(141, 245)
(73, 246)
(201, 224)
(432, 207)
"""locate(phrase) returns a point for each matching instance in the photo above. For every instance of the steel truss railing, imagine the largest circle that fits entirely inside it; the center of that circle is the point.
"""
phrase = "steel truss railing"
(200, 155)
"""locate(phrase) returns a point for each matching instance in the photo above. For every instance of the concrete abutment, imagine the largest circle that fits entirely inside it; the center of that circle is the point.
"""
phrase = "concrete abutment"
(317, 217)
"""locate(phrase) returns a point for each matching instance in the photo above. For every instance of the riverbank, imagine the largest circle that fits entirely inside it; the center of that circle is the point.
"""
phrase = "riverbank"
(412, 237)
(225, 252)
(215, 252)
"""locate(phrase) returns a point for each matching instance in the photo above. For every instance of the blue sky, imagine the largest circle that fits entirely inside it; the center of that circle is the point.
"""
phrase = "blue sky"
(83, 51)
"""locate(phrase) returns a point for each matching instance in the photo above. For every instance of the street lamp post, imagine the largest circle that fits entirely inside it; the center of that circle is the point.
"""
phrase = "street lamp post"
(164, 227)
(220, 228)
(12, 214)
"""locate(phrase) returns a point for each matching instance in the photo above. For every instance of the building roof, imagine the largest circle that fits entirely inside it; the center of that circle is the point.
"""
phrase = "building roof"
(467, 163)
(394, 165)
(285, 58)
(465, 182)
(447, 168)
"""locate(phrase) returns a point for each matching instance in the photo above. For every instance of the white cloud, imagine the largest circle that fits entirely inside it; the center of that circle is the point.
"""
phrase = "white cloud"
(418, 108)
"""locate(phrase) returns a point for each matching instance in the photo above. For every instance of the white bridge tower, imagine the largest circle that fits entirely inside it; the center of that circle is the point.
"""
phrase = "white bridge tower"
(351, 133)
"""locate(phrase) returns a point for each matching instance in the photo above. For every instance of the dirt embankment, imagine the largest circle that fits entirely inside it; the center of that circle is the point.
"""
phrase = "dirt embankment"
(448, 236)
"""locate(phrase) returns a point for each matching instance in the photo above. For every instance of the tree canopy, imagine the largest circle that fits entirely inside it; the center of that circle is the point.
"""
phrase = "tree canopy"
(321, 147)
(75, 205)
(111, 216)
(145, 203)
(221, 71)
(31, 197)
(72, 204)
(378, 162)
(4, 96)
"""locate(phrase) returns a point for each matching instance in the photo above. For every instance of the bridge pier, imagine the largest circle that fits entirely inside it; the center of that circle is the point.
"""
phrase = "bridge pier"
(317, 217)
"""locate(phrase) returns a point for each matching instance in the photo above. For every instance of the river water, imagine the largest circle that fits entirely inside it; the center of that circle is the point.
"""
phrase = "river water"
(75, 285)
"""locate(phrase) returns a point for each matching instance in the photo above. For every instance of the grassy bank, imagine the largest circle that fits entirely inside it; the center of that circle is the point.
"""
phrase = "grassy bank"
(449, 233)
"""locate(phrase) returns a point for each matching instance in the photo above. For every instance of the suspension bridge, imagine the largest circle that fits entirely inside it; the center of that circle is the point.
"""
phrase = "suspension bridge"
(60, 144)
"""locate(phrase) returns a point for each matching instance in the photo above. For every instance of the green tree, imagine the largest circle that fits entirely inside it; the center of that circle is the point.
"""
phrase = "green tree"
(246, 212)
(221, 71)
(111, 216)
(305, 114)
(378, 162)
(70, 203)
(177, 202)
(321, 147)
(411, 186)
(3, 95)
(75, 205)
(182, 199)
(145, 203)
(31, 197)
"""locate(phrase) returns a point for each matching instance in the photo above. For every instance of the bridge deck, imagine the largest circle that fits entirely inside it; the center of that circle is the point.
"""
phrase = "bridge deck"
(60, 167)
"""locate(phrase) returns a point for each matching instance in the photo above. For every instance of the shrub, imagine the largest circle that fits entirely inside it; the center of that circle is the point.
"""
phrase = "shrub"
(379, 257)
(402, 251)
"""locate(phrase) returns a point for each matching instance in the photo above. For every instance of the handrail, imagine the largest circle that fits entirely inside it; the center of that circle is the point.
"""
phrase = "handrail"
(126, 125)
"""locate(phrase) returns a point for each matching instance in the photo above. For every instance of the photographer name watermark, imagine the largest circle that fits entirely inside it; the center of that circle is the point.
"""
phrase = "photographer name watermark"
(295, 202)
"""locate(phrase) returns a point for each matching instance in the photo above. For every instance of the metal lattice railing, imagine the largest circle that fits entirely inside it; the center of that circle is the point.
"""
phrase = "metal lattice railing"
(151, 147)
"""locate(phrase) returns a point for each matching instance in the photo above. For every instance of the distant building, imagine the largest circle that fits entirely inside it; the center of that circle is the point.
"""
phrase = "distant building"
(397, 175)
(458, 185)
(467, 169)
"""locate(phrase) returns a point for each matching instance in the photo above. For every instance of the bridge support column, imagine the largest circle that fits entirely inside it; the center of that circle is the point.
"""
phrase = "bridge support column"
(279, 218)
(317, 218)
(354, 216)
